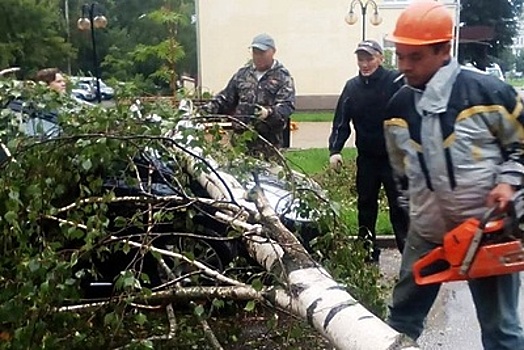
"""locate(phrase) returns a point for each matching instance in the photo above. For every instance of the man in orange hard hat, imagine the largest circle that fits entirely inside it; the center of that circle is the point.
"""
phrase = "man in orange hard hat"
(454, 140)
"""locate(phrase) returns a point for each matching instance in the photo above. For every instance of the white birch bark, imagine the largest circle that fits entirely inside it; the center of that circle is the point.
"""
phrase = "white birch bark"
(311, 291)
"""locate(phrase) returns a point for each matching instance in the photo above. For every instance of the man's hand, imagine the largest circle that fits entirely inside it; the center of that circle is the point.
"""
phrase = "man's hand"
(206, 109)
(261, 112)
(501, 194)
(335, 161)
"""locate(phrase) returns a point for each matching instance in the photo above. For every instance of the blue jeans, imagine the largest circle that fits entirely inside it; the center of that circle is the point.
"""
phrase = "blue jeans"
(496, 301)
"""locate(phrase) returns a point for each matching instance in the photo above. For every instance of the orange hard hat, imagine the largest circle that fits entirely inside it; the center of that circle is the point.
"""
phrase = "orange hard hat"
(423, 23)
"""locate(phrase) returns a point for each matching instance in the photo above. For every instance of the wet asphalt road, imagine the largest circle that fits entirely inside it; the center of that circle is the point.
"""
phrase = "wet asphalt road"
(451, 324)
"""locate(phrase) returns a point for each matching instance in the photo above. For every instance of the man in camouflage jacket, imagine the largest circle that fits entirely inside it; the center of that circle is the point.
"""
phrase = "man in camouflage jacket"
(261, 94)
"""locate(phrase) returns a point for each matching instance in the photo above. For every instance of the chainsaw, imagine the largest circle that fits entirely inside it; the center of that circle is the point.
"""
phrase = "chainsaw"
(477, 248)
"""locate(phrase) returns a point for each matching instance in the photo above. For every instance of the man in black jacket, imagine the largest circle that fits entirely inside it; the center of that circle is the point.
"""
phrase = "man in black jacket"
(363, 101)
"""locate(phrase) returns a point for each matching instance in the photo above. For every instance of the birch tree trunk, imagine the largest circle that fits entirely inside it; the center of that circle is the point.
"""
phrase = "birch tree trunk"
(311, 292)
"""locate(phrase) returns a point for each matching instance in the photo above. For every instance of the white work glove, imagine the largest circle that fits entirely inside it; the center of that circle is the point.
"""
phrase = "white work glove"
(335, 161)
(261, 112)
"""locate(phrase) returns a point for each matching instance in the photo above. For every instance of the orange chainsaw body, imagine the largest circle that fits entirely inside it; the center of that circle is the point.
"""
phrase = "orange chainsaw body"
(445, 263)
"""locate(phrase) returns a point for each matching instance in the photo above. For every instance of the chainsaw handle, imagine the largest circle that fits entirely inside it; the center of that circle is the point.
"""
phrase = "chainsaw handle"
(514, 209)
(489, 215)
(426, 261)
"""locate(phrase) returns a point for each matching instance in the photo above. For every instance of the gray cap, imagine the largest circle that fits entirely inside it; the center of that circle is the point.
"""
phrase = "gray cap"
(263, 42)
(369, 46)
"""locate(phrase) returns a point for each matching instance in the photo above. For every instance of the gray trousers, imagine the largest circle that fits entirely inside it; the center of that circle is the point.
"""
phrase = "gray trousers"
(496, 301)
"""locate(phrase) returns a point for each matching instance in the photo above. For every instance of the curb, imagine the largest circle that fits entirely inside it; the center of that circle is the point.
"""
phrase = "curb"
(386, 242)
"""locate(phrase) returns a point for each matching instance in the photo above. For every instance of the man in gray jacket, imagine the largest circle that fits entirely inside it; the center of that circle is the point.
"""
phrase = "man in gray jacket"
(456, 138)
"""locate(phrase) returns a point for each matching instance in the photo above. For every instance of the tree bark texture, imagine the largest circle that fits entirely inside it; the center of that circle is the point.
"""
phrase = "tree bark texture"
(310, 291)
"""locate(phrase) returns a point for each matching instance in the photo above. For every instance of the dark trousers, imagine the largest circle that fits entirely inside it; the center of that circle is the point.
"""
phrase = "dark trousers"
(372, 172)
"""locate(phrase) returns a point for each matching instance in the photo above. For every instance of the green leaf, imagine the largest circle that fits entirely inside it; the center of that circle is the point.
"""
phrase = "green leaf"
(257, 284)
(250, 306)
(86, 164)
(129, 281)
(199, 310)
(141, 319)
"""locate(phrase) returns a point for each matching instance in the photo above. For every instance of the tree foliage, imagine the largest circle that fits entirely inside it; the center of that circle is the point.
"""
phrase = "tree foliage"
(149, 42)
(502, 15)
(32, 34)
(64, 218)
(152, 42)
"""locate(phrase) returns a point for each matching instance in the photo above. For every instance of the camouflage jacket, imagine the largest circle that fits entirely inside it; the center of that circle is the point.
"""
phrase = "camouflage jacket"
(275, 90)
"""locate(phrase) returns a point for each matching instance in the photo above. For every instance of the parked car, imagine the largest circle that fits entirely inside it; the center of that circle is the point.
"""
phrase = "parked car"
(84, 92)
(150, 168)
(106, 92)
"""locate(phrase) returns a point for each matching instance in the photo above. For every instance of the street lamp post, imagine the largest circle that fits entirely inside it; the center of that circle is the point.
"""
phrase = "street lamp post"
(68, 31)
(352, 18)
(91, 19)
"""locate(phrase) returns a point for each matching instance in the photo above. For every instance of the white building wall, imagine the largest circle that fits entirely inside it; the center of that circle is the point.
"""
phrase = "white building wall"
(313, 40)
(518, 43)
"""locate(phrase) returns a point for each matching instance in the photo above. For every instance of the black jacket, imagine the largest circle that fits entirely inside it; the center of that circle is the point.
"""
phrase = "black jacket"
(363, 101)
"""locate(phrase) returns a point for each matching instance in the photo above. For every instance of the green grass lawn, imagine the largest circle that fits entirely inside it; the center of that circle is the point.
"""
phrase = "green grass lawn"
(312, 117)
(340, 186)
(315, 160)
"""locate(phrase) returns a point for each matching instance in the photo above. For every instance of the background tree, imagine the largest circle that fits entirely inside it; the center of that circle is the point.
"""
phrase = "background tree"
(519, 63)
(32, 35)
(141, 43)
(502, 15)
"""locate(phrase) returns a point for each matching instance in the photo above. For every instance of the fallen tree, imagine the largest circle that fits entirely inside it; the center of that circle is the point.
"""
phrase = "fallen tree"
(309, 290)
(112, 199)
